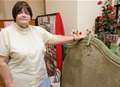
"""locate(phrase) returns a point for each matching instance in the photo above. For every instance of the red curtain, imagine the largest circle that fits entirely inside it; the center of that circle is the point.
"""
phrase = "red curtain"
(59, 29)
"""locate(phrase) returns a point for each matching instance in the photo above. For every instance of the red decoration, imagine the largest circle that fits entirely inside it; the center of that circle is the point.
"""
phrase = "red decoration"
(99, 2)
(60, 31)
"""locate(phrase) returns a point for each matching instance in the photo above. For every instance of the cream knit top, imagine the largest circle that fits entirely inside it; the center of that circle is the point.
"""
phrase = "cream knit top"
(26, 47)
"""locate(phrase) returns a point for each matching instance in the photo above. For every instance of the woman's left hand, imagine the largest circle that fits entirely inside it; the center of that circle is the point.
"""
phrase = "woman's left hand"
(79, 35)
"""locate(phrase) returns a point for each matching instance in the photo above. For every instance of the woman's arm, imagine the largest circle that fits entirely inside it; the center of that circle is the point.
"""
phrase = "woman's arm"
(64, 39)
(4, 72)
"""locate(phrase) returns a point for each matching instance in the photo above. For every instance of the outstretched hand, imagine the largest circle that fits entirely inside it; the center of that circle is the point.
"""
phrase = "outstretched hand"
(79, 35)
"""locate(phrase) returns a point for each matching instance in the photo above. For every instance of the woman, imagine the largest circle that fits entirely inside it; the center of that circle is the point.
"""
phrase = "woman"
(22, 49)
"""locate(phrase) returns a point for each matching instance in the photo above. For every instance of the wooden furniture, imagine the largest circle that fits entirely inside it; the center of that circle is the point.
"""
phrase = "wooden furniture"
(2, 22)
(1, 82)
(90, 65)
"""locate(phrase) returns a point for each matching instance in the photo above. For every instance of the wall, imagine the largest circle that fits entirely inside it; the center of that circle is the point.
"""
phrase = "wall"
(87, 11)
(2, 11)
(6, 9)
(76, 14)
(68, 10)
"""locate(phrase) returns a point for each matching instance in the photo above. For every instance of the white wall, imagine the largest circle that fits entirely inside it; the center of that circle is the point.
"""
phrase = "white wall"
(68, 10)
(87, 12)
(2, 11)
(76, 14)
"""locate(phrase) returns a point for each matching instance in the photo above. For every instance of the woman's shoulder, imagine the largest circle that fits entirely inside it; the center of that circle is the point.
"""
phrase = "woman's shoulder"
(38, 28)
(6, 29)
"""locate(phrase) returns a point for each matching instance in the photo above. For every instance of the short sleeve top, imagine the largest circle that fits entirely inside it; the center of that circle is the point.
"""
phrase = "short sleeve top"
(26, 47)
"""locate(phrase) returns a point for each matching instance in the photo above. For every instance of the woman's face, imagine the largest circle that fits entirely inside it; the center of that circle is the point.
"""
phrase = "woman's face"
(23, 18)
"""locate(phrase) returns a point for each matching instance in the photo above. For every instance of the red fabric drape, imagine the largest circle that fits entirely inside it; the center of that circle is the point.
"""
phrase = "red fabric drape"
(59, 29)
